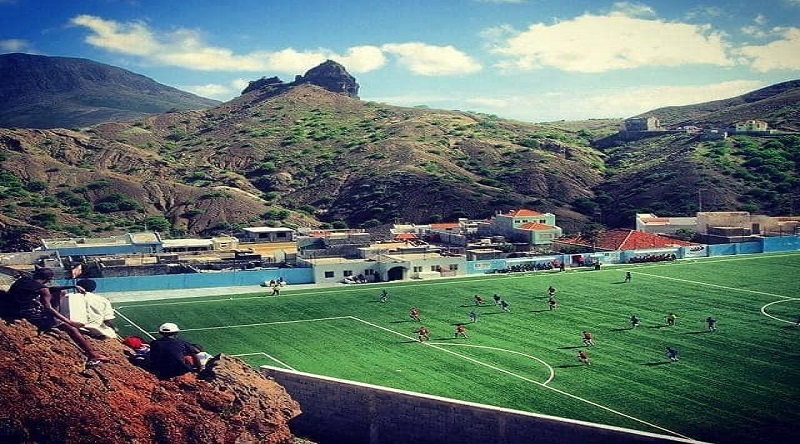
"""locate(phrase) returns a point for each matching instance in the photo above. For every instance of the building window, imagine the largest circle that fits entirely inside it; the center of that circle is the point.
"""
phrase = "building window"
(328, 274)
(369, 271)
(417, 269)
(453, 267)
(348, 273)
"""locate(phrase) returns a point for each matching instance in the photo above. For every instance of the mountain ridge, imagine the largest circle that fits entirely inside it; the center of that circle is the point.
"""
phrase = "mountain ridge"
(300, 155)
(64, 92)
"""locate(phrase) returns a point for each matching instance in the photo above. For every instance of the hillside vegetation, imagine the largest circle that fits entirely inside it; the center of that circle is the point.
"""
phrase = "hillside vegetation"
(301, 155)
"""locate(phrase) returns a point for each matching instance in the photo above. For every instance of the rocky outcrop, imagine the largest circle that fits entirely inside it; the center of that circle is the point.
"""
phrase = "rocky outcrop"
(49, 397)
(329, 75)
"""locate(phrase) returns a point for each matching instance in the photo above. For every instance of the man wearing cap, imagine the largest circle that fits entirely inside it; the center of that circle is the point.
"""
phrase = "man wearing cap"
(170, 355)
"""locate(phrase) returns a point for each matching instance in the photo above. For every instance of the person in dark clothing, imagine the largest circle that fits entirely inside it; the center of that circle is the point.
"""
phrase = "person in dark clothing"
(34, 302)
(171, 356)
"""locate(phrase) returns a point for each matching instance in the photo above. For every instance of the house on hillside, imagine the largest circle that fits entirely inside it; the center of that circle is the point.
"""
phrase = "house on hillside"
(751, 126)
(622, 239)
(523, 225)
(723, 227)
(266, 234)
(131, 243)
(650, 223)
(641, 124)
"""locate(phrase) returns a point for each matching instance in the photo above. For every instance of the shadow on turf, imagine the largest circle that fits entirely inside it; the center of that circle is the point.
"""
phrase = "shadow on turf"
(657, 326)
(567, 348)
(656, 363)
(570, 365)
(697, 332)
(540, 311)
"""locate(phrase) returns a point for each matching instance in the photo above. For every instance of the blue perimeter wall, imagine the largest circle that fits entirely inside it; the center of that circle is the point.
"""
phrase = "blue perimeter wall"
(306, 275)
(202, 280)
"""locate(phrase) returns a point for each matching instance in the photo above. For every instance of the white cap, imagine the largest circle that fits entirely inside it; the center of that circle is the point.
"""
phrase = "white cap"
(168, 327)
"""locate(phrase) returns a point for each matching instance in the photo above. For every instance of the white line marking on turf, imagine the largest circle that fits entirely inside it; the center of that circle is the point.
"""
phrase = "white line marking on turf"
(764, 310)
(134, 324)
(724, 287)
(269, 356)
(549, 367)
(258, 324)
(641, 421)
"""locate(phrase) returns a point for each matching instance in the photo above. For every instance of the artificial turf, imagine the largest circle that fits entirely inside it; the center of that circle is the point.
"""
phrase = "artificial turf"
(740, 383)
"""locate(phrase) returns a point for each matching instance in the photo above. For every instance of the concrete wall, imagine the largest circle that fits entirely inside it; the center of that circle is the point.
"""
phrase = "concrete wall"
(338, 411)
(202, 280)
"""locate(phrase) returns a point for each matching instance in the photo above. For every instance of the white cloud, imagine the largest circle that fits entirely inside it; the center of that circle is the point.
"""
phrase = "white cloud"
(629, 9)
(606, 103)
(218, 91)
(430, 60)
(15, 45)
(362, 59)
(185, 48)
(778, 54)
(593, 44)
(760, 20)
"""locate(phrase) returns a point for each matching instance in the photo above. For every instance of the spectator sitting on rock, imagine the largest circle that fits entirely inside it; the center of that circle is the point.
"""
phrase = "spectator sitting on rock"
(171, 356)
(34, 302)
(99, 314)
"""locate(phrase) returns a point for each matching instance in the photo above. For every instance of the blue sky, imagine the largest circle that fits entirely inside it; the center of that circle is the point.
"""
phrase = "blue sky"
(530, 60)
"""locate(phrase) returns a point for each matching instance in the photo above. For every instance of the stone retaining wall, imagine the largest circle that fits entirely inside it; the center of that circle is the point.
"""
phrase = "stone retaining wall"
(338, 411)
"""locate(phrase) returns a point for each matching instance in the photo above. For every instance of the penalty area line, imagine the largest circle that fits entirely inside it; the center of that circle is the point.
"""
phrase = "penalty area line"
(268, 356)
(133, 324)
(609, 409)
(724, 287)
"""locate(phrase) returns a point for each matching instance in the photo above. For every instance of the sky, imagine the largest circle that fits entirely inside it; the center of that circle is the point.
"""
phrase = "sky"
(528, 60)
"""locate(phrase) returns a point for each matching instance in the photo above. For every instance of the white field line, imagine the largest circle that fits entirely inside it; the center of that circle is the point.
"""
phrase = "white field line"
(764, 310)
(549, 367)
(267, 355)
(134, 324)
(259, 324)
(724, 287)
(482, 278)
(641, 421)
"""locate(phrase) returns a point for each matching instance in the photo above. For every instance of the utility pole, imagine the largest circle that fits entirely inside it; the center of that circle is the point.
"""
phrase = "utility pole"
(699, 200)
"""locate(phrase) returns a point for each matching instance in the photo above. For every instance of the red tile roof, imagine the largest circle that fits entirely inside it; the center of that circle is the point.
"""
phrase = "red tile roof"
(626, 239)
(444, 225)
(535, 226)
(522, 212)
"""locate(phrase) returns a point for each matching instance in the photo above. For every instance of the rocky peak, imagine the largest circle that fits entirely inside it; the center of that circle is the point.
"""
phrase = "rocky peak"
(261, 83)
(329, 75)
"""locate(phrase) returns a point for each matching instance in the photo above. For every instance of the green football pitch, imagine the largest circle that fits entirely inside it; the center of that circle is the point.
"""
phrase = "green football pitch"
(740, 383)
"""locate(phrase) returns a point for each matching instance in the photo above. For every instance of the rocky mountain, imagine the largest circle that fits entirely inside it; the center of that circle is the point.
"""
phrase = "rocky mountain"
(310, 153)
(62, 92)
(49, 397)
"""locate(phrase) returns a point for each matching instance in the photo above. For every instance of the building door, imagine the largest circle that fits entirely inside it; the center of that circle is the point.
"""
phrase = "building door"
(756, 228)
(395, 274)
